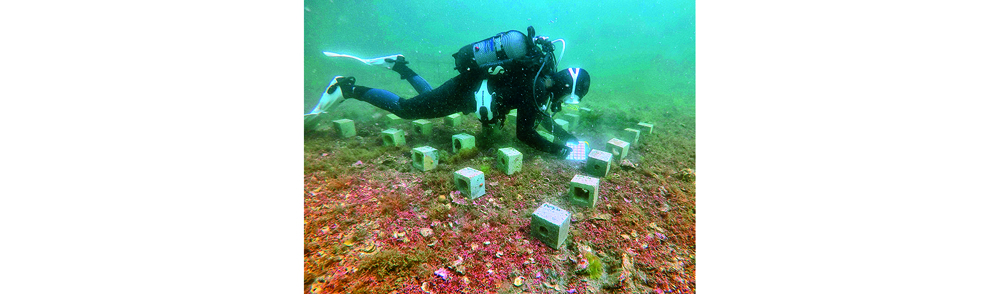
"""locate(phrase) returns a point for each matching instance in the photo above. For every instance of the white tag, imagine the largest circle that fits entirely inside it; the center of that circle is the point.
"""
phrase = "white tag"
(484, 99)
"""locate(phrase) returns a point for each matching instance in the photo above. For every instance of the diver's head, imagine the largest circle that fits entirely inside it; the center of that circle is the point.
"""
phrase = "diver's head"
(570, 85)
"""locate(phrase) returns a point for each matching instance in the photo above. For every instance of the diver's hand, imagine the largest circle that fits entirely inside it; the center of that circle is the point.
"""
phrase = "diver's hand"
(564, 152)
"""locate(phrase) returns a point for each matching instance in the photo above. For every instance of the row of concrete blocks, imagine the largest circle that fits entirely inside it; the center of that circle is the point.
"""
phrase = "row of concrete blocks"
(509, 159)
(423, 126)
(396, 137)
(345, 127)
(599, 162)
(426, 158)
(550, 224)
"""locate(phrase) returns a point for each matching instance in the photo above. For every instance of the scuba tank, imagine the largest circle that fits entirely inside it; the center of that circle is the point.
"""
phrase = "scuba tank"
(488, 54)
(488, 57)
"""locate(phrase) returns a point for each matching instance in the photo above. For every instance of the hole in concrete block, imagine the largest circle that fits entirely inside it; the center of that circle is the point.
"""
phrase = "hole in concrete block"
(463, 185)
(543, 231)
(458, 144)
(597, 167)
(503, 161)
(581, 193)
(386, 139)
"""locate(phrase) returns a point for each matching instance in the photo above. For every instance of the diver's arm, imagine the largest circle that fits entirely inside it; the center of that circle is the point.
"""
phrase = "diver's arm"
(558, 131)
(526, 133)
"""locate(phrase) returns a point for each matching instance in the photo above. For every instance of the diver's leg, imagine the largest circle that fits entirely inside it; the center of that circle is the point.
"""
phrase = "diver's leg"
(379, 98)
(419, 84)
(405, 73)
(451, 97)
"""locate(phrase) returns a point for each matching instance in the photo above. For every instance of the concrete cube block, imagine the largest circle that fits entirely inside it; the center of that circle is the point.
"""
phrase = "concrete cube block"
(422, 126)
(393, 137)
(573, 119)
(345, 128)
(562, 123)
(392, 120)
(632, 136)
(583, 190)
(509, 160)
(424, 158)
(462, 141)
(598, 163)
(550, 224)
(470, 182)
(512, 117)
(453, 120)
(618, 148)
(646, 127)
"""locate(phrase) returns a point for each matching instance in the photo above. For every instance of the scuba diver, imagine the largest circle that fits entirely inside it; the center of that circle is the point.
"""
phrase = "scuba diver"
(508, 71)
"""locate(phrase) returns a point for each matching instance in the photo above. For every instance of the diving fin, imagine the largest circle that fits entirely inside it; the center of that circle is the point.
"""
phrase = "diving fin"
(386, 61)
(331, 98)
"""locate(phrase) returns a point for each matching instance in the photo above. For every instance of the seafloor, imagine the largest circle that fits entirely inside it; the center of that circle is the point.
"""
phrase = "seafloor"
(375, 224)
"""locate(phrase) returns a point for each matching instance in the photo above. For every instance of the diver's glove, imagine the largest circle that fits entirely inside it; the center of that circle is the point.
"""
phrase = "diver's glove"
(564, 152)
(399, 66)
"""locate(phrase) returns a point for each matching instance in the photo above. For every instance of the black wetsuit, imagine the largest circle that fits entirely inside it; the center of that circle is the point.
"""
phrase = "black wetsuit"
(511, 90)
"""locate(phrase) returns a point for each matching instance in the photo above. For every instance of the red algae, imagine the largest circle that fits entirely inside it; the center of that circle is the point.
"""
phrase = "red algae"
(383, 227)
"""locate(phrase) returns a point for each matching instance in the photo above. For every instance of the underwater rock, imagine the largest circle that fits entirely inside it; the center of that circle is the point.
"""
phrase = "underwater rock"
(426, 232)
(316, 288)
(581, 264)
(443, 273)
(457, 266)
(686, 175)
(628, 165)
(519, 281)
(369, 247)
(665, 208)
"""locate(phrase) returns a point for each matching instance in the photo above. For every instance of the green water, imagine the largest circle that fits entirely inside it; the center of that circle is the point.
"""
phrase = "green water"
(640, 54)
